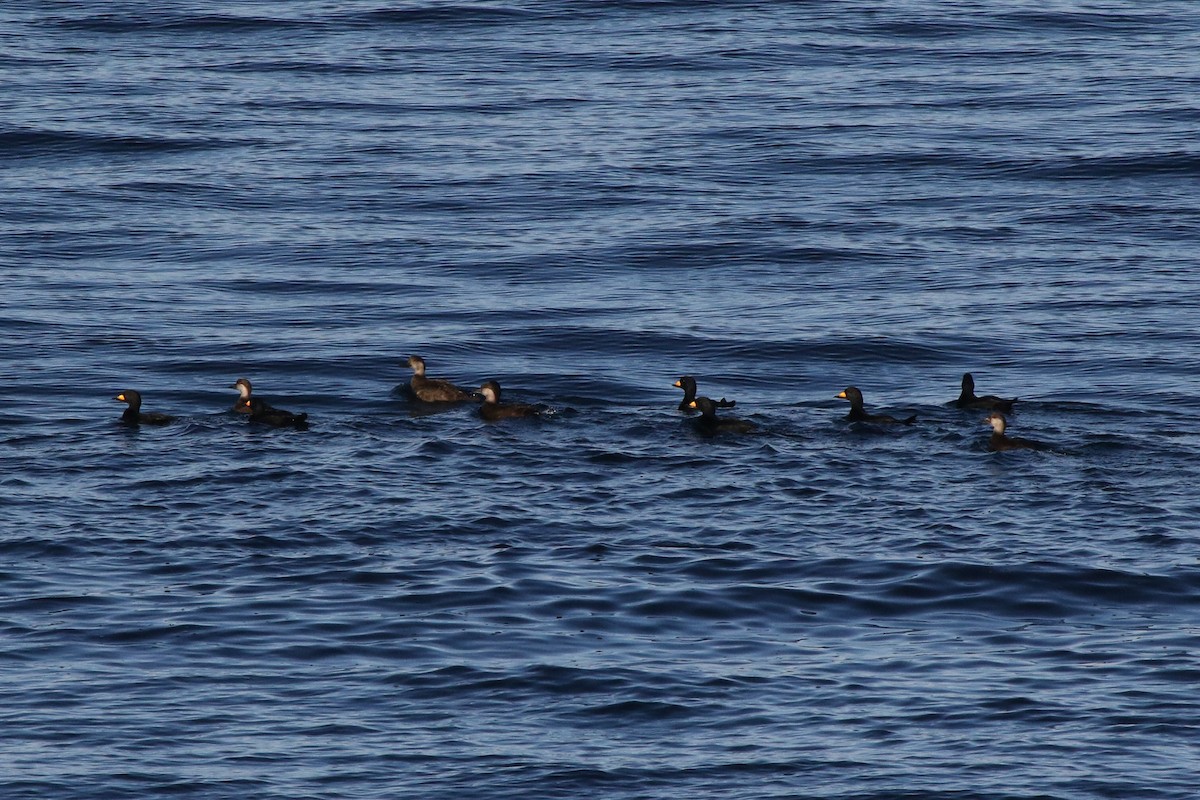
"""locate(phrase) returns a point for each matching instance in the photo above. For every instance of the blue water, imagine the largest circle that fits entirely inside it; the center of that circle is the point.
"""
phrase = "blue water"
(585, 201)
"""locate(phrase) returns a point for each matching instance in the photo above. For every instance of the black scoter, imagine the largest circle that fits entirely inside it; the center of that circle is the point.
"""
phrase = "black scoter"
(999, 441)
(859, 414)
(492, 409)
(260, 411)
(433, 390)
(967, 398)
(709, 424)
(242, 404)
(134, 416)
(688, 384)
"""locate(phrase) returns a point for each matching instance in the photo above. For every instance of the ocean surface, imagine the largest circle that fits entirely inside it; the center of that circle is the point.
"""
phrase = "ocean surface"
(585, 201)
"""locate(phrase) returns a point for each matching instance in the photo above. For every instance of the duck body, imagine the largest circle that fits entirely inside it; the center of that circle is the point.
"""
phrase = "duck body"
(263, 413)
(491, 409)
(709, 424)
(1000, 442)
(433, 390)
(858, 412)
(688, 384)
(242, 404)
(988, 402)
(134, 415)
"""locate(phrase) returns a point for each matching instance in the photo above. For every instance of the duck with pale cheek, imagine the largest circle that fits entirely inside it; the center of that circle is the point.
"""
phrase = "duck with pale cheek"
(859, 414)
(988, 402)
(263, 413)
(688, 384)
(434, 390)
(999, 441)
(709, 424)
(242, 404)
(134, 414)
(492, 409)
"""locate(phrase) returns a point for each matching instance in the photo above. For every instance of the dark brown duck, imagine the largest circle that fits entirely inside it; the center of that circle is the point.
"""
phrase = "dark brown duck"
(242, 404)
(999, 441)
(492, 409)
(433, 390)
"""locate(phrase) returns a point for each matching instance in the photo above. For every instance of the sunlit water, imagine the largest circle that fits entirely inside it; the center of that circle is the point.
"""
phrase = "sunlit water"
(585, 201)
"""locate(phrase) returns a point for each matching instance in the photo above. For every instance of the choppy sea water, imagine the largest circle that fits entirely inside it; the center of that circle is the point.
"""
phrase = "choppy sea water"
(585, 201)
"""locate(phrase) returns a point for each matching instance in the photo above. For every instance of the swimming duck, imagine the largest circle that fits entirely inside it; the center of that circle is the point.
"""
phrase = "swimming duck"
(859, 414)
(989, 401)
(709, 424)
(1001, 442)
(432, 390)
(134, 416)
(242, 404)
(492, 409)
(688, 384)
(277, 417)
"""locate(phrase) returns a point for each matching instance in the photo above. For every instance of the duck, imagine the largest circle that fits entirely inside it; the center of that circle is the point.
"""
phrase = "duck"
(999, 441)
(709, 424)
(433, 390)
(859, 414)
(688, 384)
(492, 409)
(967, 398)
(242, 404)
(134, 415)
(260, 411)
